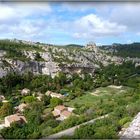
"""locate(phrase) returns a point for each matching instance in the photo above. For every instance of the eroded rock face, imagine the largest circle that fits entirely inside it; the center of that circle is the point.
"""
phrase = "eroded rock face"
(55, 59)
(49, 68)
(133, 131)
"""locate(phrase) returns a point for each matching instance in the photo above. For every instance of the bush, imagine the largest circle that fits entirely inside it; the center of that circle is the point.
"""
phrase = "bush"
(28, 99)
(55, 101)
(124, 120)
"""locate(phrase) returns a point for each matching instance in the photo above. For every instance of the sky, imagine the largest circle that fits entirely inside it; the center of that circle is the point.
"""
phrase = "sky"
(71, 23)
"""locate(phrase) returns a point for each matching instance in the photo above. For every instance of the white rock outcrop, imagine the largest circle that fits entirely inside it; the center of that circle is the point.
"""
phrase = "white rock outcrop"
(133, 131)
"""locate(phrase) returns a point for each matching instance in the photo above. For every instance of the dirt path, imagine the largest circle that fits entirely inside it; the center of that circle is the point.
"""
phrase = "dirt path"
(70, 131)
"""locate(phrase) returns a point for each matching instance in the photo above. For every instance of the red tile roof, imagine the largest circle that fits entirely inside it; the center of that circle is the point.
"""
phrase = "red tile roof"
(15, 118)
(66, 113)
(60, 107)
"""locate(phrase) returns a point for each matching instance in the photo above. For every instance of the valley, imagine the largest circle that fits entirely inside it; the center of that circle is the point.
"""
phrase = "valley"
(46, 89)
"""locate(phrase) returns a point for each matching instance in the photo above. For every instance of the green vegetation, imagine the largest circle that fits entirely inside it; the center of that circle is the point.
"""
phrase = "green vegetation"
(125, 50)
(55, 101)
(61, 58)
(90, 96)
(28, 99)
(86, 100)
(74, 46)
(118, 75)
(16, 55)
(10, 45)
(97, 95)
(6, 109)
(102, 129)
(62, 54)
(15, 50)
(38, 57)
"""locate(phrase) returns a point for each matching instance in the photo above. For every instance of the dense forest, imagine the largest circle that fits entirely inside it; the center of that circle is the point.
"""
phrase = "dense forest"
(122, 105)
(124, 50)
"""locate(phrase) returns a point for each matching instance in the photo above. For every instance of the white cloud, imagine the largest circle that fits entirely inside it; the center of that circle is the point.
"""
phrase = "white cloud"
(122, 13)
(92, 26)
(85, 6)
(138, 33)
(127, 14)
(26, 29)
(31, 21)
(15, 11)
(6, 12)
(76, 6)
(23, 21)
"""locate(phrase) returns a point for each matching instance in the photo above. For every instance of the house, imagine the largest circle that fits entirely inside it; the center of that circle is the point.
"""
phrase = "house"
(55, 114)
(53, 94)
(61, 112)
(65, 114)
(14, 118)
(70, 109)
(25, 92)
(58, 109)
(21, 107)
(39, 96)
(2, 98)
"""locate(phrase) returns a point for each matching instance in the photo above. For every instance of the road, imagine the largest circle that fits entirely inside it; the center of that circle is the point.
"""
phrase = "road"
(70, 131)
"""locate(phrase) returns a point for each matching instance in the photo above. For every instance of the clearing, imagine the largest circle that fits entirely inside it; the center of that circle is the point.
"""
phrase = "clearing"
(100, 93)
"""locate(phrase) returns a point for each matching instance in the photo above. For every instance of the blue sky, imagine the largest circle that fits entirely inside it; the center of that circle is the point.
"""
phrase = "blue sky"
(68, 23)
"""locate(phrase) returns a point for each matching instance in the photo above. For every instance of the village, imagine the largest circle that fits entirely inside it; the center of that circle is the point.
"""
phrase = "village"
(60, 112)
(47, 95)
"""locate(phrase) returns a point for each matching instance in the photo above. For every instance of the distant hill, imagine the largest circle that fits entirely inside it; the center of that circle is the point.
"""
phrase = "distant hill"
(124, 50)
(25, 56)
(74, 45)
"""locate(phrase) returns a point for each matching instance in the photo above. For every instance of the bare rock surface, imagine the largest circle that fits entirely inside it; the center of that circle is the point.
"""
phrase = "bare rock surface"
(133, 131)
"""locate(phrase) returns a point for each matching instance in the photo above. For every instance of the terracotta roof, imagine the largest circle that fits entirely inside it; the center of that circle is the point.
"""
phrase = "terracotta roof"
(55, 114)
(60, 107)
(66, 113)
(15, 117)
(2, 97)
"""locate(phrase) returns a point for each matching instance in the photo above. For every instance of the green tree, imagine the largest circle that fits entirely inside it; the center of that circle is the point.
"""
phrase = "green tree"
(29, 99)
(46, 100)
(6, 109)
(105, 132)
(55, 101)
(38, 57)
(62, 78)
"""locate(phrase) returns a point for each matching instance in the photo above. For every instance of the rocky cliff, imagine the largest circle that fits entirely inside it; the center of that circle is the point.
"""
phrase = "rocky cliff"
(48, 59)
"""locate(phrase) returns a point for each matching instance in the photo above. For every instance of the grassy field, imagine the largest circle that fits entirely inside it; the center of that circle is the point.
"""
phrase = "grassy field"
(100, 93)
(110, 90)
(86, 99)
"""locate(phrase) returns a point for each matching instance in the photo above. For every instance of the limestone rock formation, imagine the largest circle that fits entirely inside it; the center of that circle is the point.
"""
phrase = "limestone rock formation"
(53, 59)
(133, 131)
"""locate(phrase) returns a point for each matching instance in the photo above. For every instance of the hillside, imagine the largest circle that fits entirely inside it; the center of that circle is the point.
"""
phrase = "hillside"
(58, 88)
(24, 56)
(124, 50)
